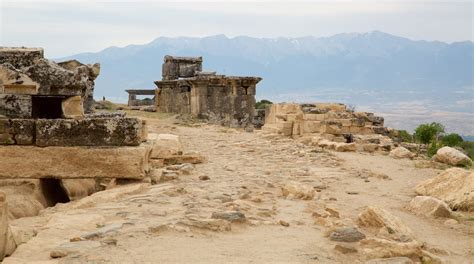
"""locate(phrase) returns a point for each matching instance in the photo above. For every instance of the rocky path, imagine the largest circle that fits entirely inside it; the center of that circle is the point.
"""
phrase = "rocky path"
(257, 199)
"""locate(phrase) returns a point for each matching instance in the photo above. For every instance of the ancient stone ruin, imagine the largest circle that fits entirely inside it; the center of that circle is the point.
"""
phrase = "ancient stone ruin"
(186, 89)
(48, 130)
(134, 101)
(331, 125)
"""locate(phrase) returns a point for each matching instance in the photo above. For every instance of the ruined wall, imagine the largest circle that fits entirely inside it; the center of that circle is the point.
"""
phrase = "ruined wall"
(324, 118)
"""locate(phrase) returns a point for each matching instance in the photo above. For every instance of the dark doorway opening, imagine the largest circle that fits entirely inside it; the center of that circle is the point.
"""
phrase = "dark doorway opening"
(349, 138)
(47, 107)
(53, 191)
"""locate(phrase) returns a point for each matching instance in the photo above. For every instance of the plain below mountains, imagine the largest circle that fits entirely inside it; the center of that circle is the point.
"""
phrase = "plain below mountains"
(374, 71)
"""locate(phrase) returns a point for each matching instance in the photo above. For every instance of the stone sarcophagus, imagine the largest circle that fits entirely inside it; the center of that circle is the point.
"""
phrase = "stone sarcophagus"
(47, 122)
(225, 100)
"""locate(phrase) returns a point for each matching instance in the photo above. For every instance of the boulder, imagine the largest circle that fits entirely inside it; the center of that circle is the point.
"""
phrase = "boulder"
(401, 153)
(165, 145)
(345, 147)
(379, 218)
(452, 156)
(429, 206)
(455, 186)
(297, 190)
(74, 162)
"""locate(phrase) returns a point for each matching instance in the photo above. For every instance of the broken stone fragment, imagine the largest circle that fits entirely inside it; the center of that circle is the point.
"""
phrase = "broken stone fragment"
(73, 248)
(231, 216)
(74, 162)
(297, 190)
(395, 260)
(13, 81)
(379, 218)
(348, 234)
(401, 153)
(89, 132)
(429, 206)
(165, 145)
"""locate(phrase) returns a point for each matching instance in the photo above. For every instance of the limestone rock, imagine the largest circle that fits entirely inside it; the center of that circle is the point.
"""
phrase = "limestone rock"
(165, 145)
(298, 190)
(382, 248)
(89, 132)
(429, 206)
(17, 131)
(78, 188)
(401, 153)
(20, 57)
(345, 249)
(16, 106)
(74, 162)
(7, 243)
(379, 218)
(231, 216)
(73, 247)
(348, 234)
(455, 186)
(452, 156)
(395, 260)
(345, 147)
(72, 107)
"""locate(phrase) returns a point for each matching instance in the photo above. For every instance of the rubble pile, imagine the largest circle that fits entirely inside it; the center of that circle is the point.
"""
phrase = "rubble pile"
(330, 125)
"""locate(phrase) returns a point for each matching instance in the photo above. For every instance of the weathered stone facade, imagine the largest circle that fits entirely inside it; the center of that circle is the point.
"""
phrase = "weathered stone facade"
(46, 119)
(225, 100)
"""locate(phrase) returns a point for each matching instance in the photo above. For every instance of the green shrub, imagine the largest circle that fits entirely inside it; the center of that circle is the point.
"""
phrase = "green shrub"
(433, 148)
(262, 104)
(426, 133)
(468, 146)
(405, 136)
(452, 140)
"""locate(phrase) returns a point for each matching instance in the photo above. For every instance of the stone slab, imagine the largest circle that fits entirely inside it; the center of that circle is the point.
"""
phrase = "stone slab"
(89, 132)
(74, 162)
(72, 107)
(17, 131)
(16, 106)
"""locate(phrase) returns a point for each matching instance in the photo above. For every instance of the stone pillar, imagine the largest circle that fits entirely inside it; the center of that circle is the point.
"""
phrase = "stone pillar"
(131, 99)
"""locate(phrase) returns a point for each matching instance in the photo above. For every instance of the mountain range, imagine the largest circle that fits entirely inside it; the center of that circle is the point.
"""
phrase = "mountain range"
(373, 71)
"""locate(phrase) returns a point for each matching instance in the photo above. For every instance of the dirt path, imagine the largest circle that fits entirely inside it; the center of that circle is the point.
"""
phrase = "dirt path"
(171, 222)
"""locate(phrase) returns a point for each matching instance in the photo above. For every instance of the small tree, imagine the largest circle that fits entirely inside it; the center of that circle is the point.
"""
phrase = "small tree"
(452, 140)
(426, 133)
(262, 104)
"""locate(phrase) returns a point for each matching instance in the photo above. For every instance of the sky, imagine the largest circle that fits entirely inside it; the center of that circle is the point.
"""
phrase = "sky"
(67, 27)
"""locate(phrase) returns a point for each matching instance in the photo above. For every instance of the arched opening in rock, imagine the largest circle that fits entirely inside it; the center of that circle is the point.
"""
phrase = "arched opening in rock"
(53, 191)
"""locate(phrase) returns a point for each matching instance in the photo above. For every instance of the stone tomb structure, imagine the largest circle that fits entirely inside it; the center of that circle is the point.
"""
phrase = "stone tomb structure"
(48, 130)
(186, 89)
(132, 97)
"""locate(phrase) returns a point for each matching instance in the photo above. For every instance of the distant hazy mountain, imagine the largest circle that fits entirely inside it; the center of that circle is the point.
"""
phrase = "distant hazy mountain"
(370, 70)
